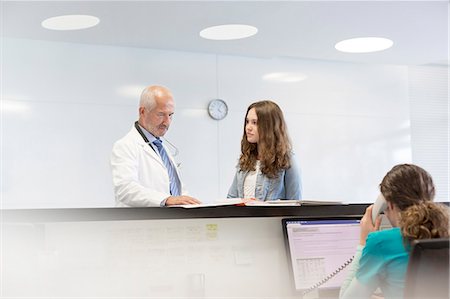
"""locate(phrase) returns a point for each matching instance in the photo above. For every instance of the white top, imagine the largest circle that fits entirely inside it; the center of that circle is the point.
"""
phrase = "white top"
(250, 182)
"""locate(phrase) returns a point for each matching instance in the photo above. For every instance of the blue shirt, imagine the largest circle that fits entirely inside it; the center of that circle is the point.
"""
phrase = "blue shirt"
(151, 139)
(384, 262)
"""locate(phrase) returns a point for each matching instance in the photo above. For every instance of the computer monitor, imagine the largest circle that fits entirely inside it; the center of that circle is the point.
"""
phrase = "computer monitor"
(319, 250)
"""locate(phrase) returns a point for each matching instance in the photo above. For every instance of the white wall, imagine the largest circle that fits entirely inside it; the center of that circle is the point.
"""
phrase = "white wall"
(428, 93)
(64, 105)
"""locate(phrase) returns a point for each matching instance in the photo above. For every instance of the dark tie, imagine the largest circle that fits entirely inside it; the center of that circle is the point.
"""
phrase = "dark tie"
(174, 182)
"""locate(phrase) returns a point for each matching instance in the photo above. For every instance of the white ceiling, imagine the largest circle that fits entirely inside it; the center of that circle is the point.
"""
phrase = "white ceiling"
(297, 29)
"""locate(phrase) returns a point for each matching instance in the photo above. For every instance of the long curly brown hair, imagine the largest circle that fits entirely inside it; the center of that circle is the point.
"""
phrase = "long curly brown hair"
(274, 146)
(411, 189)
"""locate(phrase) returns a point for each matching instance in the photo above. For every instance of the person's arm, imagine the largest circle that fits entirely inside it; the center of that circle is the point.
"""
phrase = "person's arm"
(292, 180)
(351, 287)
(233, 192)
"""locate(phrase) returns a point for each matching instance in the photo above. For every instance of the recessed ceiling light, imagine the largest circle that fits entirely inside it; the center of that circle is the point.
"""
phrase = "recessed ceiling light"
(70, 22)
(285, 77)
(228, 32)
(364, 44)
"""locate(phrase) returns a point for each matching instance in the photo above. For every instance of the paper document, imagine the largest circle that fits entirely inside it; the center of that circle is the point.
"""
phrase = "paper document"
(291, 202)
(273, 203)
(259, 203)
(219, 203)
(314, 202)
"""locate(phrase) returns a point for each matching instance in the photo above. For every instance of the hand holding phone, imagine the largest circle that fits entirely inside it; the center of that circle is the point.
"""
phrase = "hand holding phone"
(378, 207)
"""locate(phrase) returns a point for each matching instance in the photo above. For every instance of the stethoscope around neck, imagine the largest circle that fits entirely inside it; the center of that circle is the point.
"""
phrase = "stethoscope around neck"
(173, 149)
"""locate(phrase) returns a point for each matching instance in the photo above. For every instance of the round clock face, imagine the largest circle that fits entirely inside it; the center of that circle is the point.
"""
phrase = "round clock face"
(217, 109)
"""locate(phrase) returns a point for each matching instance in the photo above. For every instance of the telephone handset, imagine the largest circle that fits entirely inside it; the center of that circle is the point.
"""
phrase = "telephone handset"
(378, 207)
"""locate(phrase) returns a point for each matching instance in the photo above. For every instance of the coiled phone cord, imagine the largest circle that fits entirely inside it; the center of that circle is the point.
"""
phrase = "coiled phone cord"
(328, 277)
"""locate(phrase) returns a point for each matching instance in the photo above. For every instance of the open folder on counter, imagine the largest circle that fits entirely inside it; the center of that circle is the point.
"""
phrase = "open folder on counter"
(258, 203)
(290, 202)
(218, 203)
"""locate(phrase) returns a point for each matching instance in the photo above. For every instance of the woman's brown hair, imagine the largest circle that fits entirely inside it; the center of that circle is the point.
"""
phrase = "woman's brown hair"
(411, 189)
(273, 147)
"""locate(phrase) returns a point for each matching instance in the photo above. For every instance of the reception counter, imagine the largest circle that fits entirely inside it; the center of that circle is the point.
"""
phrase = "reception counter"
(118, 214)
(219, 252)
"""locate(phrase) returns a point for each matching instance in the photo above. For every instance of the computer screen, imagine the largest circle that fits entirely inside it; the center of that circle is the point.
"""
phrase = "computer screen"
(319, 250)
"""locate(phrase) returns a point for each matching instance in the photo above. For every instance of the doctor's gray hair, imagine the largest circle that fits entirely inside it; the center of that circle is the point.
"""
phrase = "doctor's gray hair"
(150, 93)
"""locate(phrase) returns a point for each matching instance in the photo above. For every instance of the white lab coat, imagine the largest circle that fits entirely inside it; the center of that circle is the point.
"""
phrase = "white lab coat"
(139, 176)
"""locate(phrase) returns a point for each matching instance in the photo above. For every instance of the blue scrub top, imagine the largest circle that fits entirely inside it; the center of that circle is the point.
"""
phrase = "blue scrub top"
(384, 262)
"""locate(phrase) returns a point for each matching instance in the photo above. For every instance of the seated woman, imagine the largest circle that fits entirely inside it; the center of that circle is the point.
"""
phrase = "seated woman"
(267, 167)
(381, 259)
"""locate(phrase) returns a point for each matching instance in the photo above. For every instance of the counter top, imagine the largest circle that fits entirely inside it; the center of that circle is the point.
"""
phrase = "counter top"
(125, 214)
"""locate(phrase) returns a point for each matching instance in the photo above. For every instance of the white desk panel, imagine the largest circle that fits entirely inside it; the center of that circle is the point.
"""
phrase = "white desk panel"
(184, 258)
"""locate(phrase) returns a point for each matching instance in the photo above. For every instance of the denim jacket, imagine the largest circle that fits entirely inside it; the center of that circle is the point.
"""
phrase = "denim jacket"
(286, 186)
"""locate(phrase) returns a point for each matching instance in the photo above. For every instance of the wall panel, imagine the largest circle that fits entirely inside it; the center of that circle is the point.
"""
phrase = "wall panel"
(64, 105)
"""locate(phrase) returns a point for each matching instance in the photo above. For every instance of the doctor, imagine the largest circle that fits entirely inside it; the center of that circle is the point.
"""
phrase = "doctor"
(144, 172)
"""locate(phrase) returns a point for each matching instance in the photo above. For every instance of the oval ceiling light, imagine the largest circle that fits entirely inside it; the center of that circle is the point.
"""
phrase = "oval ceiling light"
(284, 77)
(228, 32)
(70, 22)
(364, 45)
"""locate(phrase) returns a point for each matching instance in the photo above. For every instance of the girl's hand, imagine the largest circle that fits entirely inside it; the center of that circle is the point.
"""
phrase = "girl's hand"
(248, 199)
(367, 225)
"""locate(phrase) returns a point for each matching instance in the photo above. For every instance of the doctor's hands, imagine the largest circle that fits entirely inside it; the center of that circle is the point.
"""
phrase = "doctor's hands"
(367, 226)
(181, 200)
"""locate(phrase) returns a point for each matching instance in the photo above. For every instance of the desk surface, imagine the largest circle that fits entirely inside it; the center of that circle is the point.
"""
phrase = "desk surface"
(118, 214)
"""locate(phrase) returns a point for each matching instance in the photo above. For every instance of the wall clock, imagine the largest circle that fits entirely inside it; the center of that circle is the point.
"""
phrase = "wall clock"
(217, 109)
